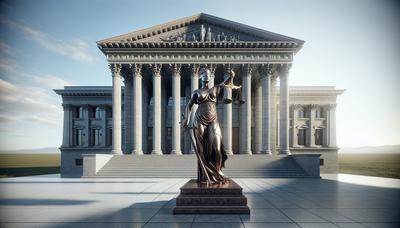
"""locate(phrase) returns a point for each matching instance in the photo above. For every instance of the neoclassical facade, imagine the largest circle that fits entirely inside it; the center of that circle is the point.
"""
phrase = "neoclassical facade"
(159, 68)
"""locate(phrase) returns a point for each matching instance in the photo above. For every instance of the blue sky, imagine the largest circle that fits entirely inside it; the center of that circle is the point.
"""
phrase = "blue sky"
(45, 44)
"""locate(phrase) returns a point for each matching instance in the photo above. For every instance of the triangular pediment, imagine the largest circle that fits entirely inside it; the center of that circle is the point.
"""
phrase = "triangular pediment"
(200, 28)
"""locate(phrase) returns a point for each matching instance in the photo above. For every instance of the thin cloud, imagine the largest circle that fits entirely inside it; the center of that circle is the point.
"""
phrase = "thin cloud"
(40, 120)
(50, 81)
(77, 49)
(22, 102)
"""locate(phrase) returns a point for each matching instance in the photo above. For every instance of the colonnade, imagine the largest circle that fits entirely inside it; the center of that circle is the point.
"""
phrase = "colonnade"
(264, 107)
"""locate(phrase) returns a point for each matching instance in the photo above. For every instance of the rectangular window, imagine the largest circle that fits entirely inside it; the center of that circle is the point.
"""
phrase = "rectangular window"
(79, 162)
(319, 136)
(95, 137)
(78, 137)
(301, 137)
(78, 112)
(95, 112)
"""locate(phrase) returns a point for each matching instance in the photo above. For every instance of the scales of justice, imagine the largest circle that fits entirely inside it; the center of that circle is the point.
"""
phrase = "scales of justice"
(212, 192)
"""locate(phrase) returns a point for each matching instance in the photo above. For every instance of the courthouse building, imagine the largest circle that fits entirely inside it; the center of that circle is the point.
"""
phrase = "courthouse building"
(154, 72)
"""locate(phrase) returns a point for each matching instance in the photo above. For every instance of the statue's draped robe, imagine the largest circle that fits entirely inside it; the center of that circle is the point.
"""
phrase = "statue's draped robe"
(207, 134)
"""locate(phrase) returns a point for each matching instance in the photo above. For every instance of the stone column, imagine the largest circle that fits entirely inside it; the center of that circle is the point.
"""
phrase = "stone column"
(245, 115)
(227, 134)
(311, 129)
(116, 109)
(332, 125)
(295, 113)
(67, 125)
(176, 116)
(137, 109)
(258, 118)
(212, 68)
(284, 109)
(145, 115)
(156, 109)
(273, 120)
(194, 84)
(266, 74)
(128, 113)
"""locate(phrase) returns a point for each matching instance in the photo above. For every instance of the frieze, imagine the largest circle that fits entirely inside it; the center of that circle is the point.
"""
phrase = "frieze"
(204, 57)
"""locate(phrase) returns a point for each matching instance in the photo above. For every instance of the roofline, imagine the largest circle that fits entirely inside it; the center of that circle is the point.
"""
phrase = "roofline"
(196, 17)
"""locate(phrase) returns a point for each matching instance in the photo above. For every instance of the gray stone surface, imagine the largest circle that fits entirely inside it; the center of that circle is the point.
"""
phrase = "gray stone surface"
(49, 201)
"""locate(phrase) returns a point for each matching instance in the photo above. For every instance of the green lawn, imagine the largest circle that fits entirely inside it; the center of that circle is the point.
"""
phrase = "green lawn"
(15, 165)
(380, 165)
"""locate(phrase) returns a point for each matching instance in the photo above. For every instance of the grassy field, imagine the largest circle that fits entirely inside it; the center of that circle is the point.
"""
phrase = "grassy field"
(380, 165)
(14, 165)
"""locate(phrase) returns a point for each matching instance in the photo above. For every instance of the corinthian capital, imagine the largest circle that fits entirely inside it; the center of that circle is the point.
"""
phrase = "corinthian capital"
(285, 68)
(136, 70)
(115, 68)
(248, 69)
(156, 68)
(267, 70)
(194, 69)
(332, 106)
(176, 69)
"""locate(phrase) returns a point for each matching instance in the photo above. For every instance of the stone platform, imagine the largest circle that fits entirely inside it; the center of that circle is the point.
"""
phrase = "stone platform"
(197, 198)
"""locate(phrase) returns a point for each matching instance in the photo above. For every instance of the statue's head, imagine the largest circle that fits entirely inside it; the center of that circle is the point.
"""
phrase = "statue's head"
(205, 75)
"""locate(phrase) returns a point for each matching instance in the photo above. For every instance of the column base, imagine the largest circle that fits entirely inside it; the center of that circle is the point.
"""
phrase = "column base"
(266, 152)
(248, 152)
(176, 152)
(229, 152)
(137, 152)
(116, 152)
(284, 152)
(156, 152)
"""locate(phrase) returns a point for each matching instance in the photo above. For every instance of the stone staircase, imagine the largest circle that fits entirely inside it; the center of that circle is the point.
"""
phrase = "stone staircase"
(185, 166)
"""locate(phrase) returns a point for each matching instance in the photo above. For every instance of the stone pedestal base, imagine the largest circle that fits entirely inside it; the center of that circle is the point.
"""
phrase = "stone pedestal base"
(197, 198)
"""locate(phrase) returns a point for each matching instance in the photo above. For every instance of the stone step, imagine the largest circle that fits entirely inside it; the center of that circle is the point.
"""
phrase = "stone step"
(212, 210)
(215, 200)
(186, 166)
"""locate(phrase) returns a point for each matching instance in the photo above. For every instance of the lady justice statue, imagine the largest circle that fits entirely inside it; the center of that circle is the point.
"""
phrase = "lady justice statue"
(203, 127)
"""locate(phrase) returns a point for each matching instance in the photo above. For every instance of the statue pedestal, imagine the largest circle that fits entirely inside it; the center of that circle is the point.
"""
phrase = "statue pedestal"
(197, 198)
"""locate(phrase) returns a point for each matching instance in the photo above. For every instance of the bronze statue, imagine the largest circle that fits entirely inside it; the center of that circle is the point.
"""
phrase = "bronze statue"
(204, 130)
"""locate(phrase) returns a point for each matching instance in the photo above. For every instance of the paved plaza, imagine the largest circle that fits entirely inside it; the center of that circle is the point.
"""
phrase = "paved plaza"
(333, 201)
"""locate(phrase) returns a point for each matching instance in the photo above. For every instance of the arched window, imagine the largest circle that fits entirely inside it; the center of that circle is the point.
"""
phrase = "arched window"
(97, 113)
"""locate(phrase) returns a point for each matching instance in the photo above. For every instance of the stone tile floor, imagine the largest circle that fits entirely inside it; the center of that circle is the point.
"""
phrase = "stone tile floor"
(346, 201)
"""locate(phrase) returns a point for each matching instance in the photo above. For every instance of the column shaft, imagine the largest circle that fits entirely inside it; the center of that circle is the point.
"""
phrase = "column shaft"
(245, 117)
(194, 84)
(295, 109)
(127, 114)
(176, 98)
(137, 110)
(284, 110)
(332, 125)
(116, 109)
(258, 118)
(273, 119)
(157, 110)
(311, 129)
(266, 107)
(227, 132)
